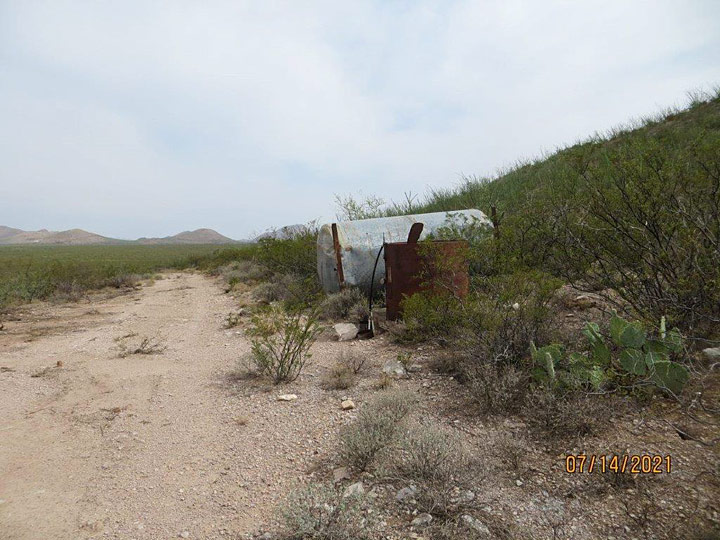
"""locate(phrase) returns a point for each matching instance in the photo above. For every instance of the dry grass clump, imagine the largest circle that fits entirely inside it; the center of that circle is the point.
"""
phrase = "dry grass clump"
(511, 450)
(562, 415)
(340, 377)
(146, 345)
(434, 460)
(375, 428)
(320, 512)
(497, 389)
(354, 360)
(345, 372)
(349, 303)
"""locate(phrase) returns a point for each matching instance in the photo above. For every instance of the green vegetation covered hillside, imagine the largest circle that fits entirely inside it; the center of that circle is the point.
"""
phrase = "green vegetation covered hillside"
(636, 211)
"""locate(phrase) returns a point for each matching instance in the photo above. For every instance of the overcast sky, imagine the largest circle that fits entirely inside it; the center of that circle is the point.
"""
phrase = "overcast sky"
(147, 118)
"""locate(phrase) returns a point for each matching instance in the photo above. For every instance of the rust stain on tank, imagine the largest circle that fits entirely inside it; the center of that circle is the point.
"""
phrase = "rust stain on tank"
(406, 262)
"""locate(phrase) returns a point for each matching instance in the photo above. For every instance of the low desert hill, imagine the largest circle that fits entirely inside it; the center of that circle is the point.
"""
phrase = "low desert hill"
(77, 237)
(199, 236)
(72, 237)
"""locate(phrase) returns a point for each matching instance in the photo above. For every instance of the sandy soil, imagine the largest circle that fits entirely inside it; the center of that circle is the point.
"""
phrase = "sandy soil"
(147, 446)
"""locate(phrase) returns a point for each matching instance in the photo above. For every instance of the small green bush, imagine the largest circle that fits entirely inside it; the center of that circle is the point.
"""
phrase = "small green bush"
(280, 342)
(427, 315)
(242, 272)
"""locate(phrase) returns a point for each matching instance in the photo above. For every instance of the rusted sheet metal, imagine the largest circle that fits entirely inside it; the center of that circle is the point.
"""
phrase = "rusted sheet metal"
(404, 266)
(346, 251)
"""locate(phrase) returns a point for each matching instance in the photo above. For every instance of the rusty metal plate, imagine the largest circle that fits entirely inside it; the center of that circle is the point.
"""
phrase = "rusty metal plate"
(404, 265)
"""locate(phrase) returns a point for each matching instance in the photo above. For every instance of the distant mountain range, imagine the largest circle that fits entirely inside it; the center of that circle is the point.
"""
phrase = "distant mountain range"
(77, 237)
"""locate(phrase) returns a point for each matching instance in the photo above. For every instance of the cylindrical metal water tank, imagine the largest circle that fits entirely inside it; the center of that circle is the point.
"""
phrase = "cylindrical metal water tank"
(346, 251)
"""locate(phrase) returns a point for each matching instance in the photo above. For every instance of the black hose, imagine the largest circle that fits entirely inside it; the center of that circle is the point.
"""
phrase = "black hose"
(372, 286)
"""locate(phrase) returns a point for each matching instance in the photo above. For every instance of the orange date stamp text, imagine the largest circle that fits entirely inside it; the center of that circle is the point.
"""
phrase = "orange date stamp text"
(619, 463)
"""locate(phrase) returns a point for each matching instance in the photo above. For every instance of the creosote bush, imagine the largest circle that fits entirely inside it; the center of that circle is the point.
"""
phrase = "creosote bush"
(281, 340)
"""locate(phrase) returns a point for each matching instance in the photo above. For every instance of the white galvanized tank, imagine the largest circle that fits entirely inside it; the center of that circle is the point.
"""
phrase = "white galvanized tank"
(356, 244)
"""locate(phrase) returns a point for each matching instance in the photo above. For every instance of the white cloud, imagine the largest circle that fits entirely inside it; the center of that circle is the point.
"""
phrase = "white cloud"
(144, 118)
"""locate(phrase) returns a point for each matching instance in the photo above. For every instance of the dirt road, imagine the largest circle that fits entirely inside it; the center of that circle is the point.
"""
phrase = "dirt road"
(146, 446)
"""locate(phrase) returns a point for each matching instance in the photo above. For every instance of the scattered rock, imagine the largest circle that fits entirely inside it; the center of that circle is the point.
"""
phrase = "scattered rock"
(346, 331)
(340, 474)
(287, 397)
(394, 368)
(465, 497)
(406, 493)
(354, 490)
(516, 306)
(518, 483)
(422, 520)
(414, 368)
(584, 302)
(347, 404)
(712, 353)
(265, 536)
(185, 534)
(475, 524)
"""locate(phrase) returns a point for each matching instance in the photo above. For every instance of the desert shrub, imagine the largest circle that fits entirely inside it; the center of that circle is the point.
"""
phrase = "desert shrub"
(468, 527)
(352, 359)
(320, 512)
(495, 322)
(339, 377)
(295, 253)
(565, 414)
(281, 340)
(242, 272)
(375, 428)
(511, 450)
(122, 280)
(293, 290)
(348, 303)
(650, 228)
(427, 315)
(270, 291)
(435, 461)
(68, 291)
(496, 388)
(507, 314)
